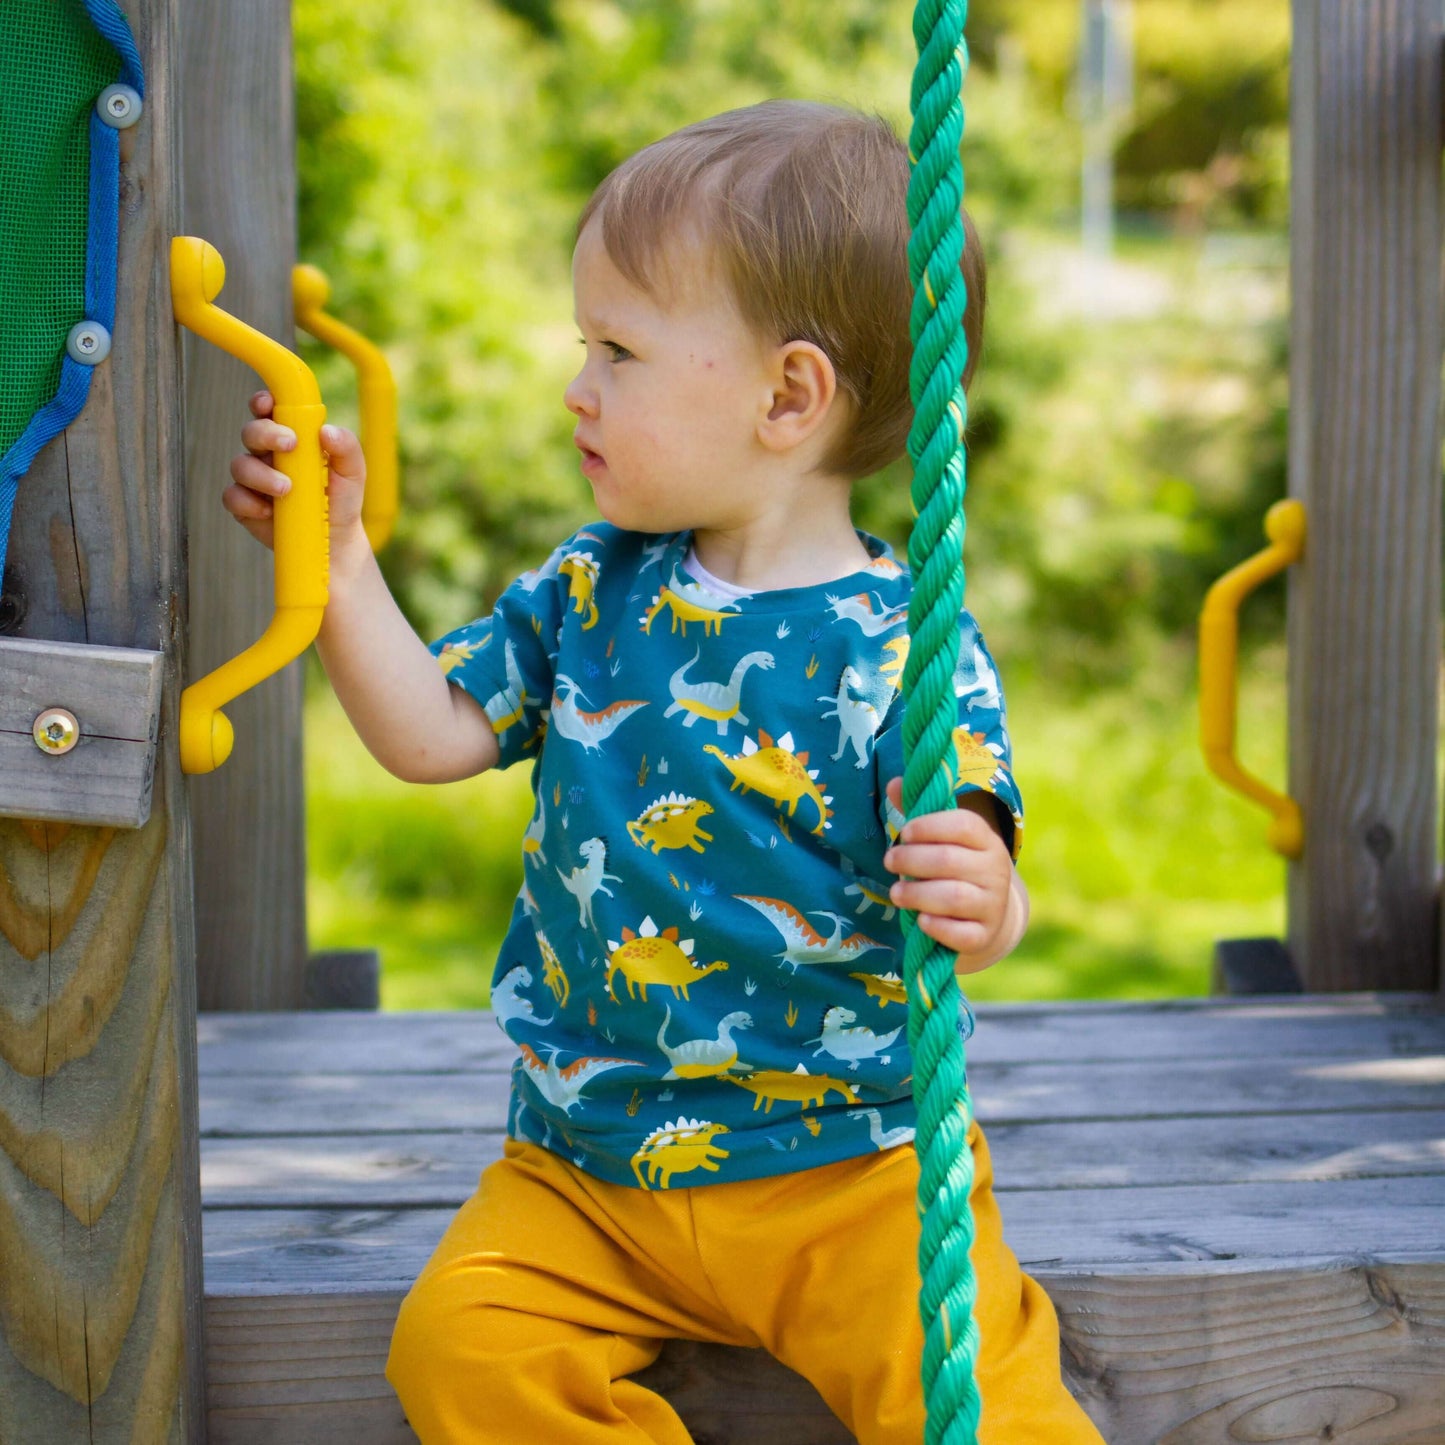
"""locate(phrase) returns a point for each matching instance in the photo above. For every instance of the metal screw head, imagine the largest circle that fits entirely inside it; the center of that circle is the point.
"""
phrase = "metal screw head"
(55, 731)
(88, 343)
(119, 106)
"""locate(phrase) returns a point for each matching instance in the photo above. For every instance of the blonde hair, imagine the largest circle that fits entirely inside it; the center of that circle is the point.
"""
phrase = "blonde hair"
(803, 208)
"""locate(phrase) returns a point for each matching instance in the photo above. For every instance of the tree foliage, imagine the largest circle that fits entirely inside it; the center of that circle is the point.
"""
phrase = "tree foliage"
(445, 149)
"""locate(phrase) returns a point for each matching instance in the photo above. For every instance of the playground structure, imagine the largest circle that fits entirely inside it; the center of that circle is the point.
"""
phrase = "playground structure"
(130, 927)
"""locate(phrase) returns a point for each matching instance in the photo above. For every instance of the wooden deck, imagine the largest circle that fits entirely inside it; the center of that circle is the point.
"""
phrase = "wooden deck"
(1238, 1207)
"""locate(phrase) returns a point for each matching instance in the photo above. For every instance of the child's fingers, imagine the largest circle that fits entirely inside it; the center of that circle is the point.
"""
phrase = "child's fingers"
(963, 936)
(344, 451)
(264, 436)
(941, 860)
(946, 897)
(245, 505)
(252, 472)
(262, 404)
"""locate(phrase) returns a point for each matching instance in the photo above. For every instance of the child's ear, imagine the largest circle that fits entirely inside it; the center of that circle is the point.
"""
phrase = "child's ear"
(804, 387)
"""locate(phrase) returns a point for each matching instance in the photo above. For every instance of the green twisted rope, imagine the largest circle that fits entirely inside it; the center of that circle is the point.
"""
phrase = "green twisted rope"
(935, 556)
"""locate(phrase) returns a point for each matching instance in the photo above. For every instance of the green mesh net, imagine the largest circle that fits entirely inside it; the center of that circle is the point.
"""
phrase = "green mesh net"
(53, 65)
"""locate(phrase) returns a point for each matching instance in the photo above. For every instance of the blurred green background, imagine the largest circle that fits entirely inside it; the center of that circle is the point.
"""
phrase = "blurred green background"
(1127, 427)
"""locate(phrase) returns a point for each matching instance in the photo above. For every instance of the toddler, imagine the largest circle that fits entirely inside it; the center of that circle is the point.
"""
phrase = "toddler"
(710, 1120)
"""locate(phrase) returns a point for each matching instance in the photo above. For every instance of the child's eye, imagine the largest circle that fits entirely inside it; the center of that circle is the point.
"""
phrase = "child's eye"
(619, 353)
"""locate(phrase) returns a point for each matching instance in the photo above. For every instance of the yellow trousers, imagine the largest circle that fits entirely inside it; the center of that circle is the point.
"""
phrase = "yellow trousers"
(550, 1289)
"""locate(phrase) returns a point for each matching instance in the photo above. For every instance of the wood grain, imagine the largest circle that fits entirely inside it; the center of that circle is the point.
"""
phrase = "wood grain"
(297, 1104)
(1364, 606)
(114, 693)
(99, 1191)
(1331, 1026)
(1238, 1252)
(238, 157)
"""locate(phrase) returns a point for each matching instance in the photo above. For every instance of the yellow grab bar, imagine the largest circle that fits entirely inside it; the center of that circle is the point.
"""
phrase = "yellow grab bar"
(1284, 525)
(302, 532)
(309, 292)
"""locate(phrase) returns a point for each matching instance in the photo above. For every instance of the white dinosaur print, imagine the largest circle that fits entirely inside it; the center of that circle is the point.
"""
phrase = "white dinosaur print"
(851, 1044)
(859, 609)
(562, 1088)
(583, 882)
(702, 1058)
(977, 677)
(702, 596)
(858, 719)
(532, 838)
(719, 702)
(867, 891)
(882, 1138)
(587, 728)
(507, 706)
(802, 943)
(507, 1000)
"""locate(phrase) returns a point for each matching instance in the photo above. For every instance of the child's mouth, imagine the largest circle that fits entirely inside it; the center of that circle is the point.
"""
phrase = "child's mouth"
(591, 461)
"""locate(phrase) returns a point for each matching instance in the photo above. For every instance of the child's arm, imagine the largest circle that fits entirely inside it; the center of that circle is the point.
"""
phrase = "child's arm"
(955, 872)
(413, 722)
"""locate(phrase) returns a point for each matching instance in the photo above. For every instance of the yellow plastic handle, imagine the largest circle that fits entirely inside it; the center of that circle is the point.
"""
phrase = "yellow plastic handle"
(302, 532)
(1219, 668)
(309, 292)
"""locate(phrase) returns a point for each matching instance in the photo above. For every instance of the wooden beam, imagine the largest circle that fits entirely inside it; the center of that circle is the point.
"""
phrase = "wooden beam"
(239, 193)
(114, 696)
(1364, 606)
(100, 1270)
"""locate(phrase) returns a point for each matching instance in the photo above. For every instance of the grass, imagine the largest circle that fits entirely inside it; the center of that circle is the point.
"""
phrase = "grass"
(1135, 858)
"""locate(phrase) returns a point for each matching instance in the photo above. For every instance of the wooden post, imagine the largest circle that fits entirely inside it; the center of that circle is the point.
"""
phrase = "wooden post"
(1364, 607)
(239, 193)
(100, 1267)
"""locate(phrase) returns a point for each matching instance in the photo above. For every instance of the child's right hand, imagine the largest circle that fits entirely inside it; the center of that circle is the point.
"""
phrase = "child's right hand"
(255, 482)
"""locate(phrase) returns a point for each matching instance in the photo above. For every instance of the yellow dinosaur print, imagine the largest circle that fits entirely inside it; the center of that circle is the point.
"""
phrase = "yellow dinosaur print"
(648, 957)
(892, 669)
(678, 1148)
(776, 772)
(553, 974)
(799, 1087)
(454, 654)
(885, 987)
(581, 570)
(977, 764)
(684, 612)
(673, 821)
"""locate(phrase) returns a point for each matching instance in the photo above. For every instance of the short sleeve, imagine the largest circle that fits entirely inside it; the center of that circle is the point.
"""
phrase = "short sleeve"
(982, 758)
(508, 660)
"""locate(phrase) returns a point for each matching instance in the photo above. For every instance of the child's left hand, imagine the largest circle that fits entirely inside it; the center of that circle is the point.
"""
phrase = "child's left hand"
(959, 871)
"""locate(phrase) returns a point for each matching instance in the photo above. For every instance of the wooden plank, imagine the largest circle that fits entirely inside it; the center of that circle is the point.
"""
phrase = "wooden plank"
(1320, 1355)
(1320, 1026)
(289, 1251)
(248, 816)
(114, 694)
(1353, 1355)
(1364, 607)
(365, 1171)
(310, 1372)
(1190, 1356)
(100, 1270)
(293, 1104)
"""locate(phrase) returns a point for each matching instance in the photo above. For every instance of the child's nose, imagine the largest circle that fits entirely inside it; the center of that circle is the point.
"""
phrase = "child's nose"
(580, 398)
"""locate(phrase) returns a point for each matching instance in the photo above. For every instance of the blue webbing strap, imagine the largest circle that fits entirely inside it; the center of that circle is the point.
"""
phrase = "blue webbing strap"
(100, 270)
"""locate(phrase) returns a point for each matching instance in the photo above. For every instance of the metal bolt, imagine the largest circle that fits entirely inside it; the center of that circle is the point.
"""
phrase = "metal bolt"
(88, 343)
(55, 731)
(119, 106)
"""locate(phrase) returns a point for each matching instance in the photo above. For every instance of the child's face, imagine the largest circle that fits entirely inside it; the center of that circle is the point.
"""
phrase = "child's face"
(667, 401)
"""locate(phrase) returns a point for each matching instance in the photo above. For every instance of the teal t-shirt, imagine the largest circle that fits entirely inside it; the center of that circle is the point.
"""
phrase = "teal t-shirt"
(702, 971)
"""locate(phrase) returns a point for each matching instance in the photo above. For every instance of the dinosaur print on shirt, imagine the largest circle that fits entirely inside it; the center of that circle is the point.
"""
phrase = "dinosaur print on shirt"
(702, 972)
